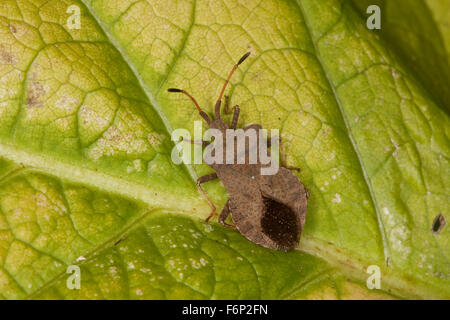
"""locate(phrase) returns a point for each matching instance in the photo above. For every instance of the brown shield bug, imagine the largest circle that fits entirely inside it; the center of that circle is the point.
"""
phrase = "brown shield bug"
(269, 210)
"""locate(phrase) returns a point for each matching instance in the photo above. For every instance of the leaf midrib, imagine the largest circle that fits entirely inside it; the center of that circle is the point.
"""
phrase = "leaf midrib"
(151, 196)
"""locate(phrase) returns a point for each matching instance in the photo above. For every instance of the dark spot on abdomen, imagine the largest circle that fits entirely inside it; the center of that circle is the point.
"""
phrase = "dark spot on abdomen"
(279, 223)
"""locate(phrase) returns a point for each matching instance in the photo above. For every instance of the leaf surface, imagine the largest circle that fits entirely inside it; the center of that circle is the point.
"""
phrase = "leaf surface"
(86, 176)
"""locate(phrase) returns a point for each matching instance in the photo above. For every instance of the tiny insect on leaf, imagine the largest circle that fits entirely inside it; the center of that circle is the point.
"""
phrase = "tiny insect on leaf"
(267, 210)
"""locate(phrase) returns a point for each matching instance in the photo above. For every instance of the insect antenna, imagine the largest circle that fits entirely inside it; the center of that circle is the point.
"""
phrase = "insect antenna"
(219, 101)
(203, 114)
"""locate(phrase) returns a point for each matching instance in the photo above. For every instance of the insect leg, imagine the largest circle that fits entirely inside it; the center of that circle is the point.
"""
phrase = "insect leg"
(236, 110)
(253, 126)
(224, 215)
(234, 123)
(204, 179)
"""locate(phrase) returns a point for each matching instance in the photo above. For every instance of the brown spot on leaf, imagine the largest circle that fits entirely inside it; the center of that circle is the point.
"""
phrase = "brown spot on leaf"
(6, 57)
(12, 28)
(438, 224)
(34, 94)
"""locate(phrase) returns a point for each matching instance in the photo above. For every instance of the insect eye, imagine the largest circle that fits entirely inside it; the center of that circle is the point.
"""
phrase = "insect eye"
(280, 224)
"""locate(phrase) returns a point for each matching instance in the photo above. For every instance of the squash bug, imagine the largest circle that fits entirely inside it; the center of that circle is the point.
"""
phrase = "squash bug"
(268, 210)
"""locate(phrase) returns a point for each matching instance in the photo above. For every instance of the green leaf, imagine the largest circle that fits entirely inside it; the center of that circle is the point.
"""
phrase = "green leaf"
(407, 26)
(86, 176)
(441, 12)
(127, 250)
